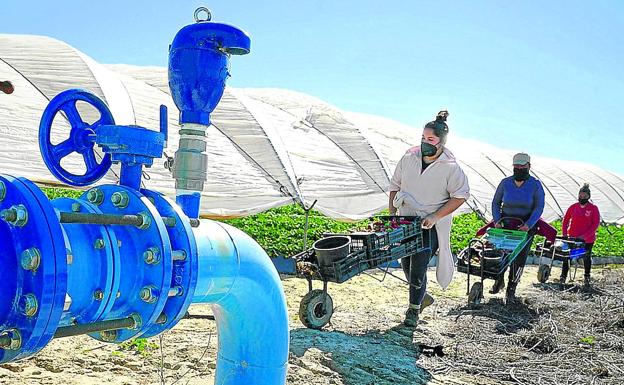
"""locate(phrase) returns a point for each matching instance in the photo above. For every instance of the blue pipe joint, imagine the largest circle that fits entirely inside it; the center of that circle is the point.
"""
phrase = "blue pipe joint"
(199, 67)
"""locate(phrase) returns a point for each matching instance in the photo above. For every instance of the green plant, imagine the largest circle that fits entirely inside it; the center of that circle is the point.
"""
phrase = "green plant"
(59, 192)
(589, 340)
(141, 346)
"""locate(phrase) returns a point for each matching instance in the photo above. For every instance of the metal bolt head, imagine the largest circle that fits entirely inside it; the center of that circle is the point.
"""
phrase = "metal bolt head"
(95, 196)
(147, 220)
(151, 256)
(29, 305)
(99, 244)
(138, 321)
(16, 215)
(108, 335)
(30, 259)
(75, 207)
(149, 294)
(120, 199)
(13, 340)
(98, 295)
(2, 191)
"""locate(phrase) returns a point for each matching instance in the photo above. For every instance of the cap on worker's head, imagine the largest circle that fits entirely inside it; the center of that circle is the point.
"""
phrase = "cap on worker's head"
(520, 159)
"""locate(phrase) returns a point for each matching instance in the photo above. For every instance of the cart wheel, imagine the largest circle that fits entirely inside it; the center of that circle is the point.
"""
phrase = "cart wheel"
(543, 273)
(313, 313)
(476, 293)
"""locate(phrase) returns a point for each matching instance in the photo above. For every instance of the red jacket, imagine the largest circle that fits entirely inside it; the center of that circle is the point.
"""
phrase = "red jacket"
(581, 222)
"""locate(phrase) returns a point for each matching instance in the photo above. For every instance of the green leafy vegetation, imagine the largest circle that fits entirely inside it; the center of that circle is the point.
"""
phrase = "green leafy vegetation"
(141, 346)
(280, 231)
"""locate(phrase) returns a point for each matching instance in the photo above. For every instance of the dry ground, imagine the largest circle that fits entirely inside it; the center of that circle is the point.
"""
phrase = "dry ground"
(551, 337)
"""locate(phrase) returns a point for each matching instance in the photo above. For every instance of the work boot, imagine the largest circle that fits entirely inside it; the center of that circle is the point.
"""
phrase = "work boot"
(510, 295)
(411, 316)
(499, 285)
(587, 283)
(427, 301)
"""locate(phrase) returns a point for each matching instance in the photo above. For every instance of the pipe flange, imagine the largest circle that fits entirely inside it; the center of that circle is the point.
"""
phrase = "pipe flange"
(132, 271)
(96, 255)
(185, 262)
(35, 265)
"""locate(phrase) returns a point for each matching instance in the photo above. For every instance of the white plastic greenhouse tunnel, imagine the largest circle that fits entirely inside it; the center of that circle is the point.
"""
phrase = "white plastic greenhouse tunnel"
(268, 147)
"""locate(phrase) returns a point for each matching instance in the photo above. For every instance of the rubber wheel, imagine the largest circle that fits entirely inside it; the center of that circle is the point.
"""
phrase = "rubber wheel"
(476, 293)
(543, 273)
(312, 313)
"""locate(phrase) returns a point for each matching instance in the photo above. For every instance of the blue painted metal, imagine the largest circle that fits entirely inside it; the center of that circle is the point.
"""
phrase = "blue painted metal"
(198, 67)
(190, 203)
(134, 272)
(92, 266)
(112, 272)
(46, 281)
(185, 272)
(133, 147)
(248, 301)
(81, 138)
(164, 123)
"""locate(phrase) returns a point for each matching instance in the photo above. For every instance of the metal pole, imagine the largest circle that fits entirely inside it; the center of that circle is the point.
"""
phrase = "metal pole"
(111, 219)
(100, 326)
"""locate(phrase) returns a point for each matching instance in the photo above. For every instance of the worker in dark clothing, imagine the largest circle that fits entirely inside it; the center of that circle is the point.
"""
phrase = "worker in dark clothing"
(518, 196)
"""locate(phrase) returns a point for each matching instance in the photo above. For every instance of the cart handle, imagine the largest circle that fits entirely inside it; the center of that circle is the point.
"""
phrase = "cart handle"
(516, 219)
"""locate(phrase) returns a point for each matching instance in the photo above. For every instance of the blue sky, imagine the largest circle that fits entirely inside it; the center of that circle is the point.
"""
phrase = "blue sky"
(542, 77)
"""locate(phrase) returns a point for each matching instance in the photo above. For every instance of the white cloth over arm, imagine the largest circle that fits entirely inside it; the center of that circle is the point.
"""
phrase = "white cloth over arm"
(423, 193)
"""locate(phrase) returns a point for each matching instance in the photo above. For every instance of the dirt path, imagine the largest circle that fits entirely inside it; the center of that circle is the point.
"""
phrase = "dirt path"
(366, 344)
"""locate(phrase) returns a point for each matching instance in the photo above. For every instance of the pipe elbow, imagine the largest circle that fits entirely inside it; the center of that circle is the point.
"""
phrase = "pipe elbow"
(240, 282)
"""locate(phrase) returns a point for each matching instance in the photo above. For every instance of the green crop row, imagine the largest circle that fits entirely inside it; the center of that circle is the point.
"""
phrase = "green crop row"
(280, 231)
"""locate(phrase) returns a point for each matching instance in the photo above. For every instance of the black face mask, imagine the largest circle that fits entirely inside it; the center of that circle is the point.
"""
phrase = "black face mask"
(428, 149)
(521, 174)
(583, 201)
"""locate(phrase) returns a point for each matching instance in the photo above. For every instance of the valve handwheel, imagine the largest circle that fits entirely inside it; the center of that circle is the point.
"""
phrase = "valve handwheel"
(81, 137)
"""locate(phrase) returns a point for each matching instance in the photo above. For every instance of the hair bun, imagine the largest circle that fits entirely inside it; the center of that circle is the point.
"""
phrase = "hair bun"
(442, 115)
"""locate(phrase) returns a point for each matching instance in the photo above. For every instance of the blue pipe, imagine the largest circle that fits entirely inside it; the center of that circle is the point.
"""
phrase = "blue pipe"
(237, 278)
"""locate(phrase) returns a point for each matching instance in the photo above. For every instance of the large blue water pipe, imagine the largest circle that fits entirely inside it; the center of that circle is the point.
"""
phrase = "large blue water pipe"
(121, 262)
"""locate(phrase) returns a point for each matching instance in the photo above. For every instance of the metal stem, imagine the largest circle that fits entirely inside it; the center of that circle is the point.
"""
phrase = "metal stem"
(111, 219)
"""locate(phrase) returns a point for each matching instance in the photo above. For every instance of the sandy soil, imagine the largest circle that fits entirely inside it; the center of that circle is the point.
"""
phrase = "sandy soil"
(364, 343)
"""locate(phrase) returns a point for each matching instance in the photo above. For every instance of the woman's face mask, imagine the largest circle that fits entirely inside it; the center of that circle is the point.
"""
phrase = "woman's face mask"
(430, 144)
(583, 198)
(521, 174)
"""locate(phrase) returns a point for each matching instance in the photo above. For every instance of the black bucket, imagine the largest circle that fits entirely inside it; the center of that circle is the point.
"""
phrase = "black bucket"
(331, 249)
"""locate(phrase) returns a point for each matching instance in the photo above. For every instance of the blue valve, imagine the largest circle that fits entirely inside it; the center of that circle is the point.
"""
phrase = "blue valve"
(81, 137)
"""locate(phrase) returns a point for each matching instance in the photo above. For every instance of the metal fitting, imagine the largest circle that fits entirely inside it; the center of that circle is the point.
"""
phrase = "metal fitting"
(68, 302)
(98, 295)
(138, 321)
(151, 256)
(176, 291)
(99, 244)
(120, 199)
(2, 191)
(95, 196)
(178, 255)
(147, 220)
(169, 221)
(108, 335)
(11, 340)
(16, 215)
(149, 294)
(30, 259)
(29, 305)
(76, 207)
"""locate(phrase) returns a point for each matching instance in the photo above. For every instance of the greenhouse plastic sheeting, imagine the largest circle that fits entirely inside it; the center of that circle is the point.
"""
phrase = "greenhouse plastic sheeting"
(266, 147)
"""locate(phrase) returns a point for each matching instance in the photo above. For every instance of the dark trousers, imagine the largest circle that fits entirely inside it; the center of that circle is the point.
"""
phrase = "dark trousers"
(415, 266)
(587, 262)
(517, 266)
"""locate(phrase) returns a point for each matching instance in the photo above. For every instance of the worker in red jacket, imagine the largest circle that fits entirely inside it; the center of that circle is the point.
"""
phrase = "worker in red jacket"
(581, 221)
